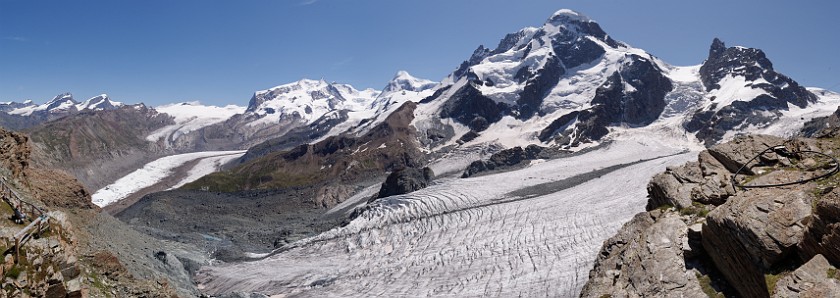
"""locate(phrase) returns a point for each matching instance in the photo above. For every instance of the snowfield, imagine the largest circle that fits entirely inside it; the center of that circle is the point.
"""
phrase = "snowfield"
(531, 232)
(159, 170)
(190, 116)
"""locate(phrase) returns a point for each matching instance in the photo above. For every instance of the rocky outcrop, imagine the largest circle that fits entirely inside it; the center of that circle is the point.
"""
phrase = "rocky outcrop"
(406, 180)
(751, 242)
(645, 259)
(817, 278)
(708, 180)
(48, 266)
(15, 151)
(734, 154)
(823, 235)
(753, 233)
(507, 159)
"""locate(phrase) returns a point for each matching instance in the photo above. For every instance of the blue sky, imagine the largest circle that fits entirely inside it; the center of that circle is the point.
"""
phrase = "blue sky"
(220, 52)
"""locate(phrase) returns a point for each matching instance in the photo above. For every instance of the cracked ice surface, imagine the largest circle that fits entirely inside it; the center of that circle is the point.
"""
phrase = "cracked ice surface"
(468, 237)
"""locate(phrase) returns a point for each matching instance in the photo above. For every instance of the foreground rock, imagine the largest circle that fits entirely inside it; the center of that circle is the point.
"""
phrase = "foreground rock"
(823, 236)
(810, 280)
(753, 233)
(756, 242)
(645, 259)
(74, 259)
(707, 181)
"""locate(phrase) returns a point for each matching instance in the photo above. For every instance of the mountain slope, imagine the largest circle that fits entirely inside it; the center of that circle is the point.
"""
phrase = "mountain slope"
(99, 146)
(336, 160)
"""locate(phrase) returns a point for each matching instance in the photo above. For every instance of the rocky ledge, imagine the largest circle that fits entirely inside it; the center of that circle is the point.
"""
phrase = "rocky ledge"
(703, 237)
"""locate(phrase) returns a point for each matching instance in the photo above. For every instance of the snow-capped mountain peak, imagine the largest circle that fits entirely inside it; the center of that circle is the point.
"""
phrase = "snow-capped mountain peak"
(98, 103)
(8, 107)
(307, 101)
(568, 15)
(403, 81)
(60, 103)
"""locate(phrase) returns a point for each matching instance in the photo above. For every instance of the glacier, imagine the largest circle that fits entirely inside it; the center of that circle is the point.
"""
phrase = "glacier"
(531, 232)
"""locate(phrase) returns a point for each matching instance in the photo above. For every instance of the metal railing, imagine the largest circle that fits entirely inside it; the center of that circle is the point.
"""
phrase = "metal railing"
(40, 220)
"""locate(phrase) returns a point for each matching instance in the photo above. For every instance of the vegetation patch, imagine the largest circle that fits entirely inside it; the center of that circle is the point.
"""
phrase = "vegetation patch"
(771, 279)
(696, 208)
(14, 272)
(706, 285)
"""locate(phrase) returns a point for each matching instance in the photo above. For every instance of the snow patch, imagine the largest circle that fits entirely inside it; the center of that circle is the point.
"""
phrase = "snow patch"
(149, 175)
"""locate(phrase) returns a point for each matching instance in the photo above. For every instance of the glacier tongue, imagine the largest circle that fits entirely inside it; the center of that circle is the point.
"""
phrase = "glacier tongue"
(524, 233)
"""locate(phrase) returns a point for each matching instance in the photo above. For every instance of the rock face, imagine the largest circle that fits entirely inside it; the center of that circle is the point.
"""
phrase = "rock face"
(753, 233)
(331, 195)
(772, 92)
(823, 236)
(15, 151)
(814, 279)
(468, 104)
(406, 180)
(645, 259)
(638, 102)
(634, 95)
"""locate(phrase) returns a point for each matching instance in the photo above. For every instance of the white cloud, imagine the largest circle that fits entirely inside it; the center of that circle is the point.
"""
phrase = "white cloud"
(24, 39)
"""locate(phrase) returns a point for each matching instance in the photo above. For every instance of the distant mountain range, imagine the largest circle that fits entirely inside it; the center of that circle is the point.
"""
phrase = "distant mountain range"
(566, 83)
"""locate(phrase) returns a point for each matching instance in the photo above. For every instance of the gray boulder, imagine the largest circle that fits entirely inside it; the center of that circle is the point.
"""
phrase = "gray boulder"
(645, 259)
(814, 279)
(753, 232)
(740, 150)
(705, 181)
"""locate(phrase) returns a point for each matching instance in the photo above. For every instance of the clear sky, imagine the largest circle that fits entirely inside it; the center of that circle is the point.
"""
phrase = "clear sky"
(220, 52)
